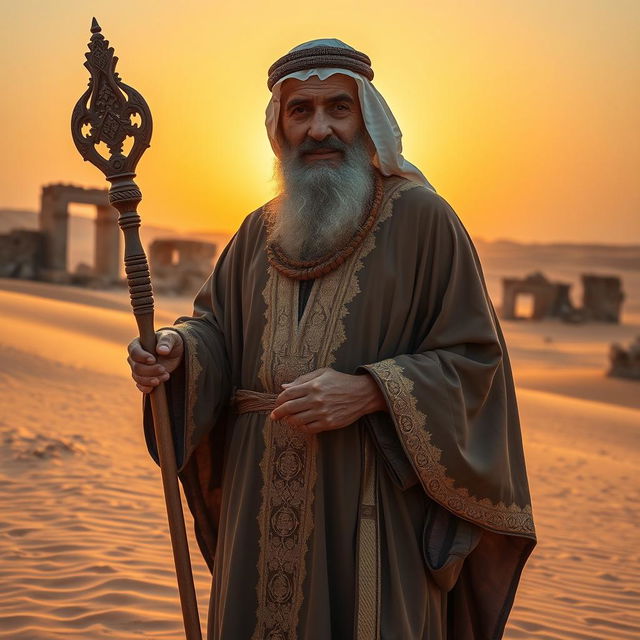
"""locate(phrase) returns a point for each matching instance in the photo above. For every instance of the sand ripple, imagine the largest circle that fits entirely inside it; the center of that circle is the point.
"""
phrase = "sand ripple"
(83, 541)
(583, 580)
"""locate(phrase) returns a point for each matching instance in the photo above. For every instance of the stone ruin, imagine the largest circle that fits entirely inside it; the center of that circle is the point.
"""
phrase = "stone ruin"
(602, 297)
(54, 223)
(21, 252)
(625, 363)
(42, 255)
(549, 298)
(601, 300)
(180, 266)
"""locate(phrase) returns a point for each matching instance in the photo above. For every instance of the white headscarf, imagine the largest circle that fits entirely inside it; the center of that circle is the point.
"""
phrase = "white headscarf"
(378, 119)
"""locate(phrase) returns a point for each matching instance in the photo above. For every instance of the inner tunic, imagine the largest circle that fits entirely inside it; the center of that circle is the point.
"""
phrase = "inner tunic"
(303, 295)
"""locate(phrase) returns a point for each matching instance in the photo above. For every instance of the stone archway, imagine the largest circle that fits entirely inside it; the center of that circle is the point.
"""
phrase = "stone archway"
(545, 298)
(54, 224)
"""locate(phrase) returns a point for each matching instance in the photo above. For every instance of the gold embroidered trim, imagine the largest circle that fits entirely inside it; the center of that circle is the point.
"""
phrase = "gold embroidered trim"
(288, 468)
(290, 349)
(395, 187)
(411, 424)
(286, 520)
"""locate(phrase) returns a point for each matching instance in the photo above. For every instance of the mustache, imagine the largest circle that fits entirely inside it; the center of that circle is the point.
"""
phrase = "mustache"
(310, 145)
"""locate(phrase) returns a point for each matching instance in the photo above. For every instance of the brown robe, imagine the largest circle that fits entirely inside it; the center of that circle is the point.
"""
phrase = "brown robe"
(411, 524)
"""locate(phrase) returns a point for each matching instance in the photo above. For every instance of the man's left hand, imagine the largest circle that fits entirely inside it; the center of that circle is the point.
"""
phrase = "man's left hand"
(326, 399)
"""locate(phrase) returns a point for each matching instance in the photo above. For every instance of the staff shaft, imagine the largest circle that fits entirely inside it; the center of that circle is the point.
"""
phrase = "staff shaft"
(125, 196)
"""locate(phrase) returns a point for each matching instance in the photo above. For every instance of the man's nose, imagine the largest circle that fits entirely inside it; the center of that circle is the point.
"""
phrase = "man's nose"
(320, 126)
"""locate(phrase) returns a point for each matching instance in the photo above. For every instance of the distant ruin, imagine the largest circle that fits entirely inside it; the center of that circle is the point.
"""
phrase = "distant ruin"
(549, 298)
(625, 363)
(602, 298)
(42, 255)
(180, 266)
(21, 252)
(54, 221)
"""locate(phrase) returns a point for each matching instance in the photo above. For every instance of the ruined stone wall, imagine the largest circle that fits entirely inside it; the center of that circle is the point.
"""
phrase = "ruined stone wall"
(625, 362)
(180, 266)
(602, 297)
(21, 253)
(549, 298)
(54, 224)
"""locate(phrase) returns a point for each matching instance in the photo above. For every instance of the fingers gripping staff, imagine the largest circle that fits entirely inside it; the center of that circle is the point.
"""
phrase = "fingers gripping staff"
(108, 108)
(149, 371)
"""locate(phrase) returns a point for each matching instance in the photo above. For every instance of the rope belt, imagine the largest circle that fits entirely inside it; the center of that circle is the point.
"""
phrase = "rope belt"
(247, 401)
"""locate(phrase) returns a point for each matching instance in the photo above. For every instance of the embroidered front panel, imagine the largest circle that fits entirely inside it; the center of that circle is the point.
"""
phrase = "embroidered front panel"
(425, 456)
(285, 520)
(290, 349)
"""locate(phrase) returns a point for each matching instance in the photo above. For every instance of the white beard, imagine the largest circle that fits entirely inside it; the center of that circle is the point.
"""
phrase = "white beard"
(321, 205)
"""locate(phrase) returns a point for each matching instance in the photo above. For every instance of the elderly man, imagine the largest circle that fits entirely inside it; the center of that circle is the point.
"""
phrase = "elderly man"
(342, 401)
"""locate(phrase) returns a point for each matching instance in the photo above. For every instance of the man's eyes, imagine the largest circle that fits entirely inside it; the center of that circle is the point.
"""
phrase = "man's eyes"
(302, 109)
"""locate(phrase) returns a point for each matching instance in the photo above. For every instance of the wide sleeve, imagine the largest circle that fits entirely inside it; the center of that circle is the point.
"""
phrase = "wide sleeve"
(451, 400)
(199, 390)
(199, 394)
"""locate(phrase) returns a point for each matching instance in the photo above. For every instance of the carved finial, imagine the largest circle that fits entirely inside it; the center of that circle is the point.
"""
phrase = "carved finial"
(105, 114)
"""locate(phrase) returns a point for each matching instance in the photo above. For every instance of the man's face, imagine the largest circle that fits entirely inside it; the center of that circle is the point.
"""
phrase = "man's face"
(316, 111)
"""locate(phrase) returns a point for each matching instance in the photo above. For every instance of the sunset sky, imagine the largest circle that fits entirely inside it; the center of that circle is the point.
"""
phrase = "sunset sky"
(524, 114)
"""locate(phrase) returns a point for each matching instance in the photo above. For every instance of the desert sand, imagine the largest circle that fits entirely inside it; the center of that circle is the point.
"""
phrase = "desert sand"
(83, 538)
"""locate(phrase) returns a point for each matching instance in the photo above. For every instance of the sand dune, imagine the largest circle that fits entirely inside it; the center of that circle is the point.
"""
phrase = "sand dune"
(583, 580)
(83, 540)
(83, 536)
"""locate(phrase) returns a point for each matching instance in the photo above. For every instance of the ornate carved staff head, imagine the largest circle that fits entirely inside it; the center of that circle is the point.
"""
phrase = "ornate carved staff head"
(108, 109)
(104, 116)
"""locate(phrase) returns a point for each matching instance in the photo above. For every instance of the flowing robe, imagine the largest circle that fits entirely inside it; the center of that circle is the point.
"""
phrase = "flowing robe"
(413, 523)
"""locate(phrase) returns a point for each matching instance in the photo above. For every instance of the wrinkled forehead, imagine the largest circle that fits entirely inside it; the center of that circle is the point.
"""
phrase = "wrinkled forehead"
(316, 90)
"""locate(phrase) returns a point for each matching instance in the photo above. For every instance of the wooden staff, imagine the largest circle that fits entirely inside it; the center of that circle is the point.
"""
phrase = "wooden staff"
(105, 114)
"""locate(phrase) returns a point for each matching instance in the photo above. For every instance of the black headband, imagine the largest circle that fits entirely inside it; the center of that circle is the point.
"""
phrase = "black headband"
(320, 57)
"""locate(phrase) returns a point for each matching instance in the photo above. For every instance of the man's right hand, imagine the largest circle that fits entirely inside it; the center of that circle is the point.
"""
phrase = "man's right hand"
(149, 370)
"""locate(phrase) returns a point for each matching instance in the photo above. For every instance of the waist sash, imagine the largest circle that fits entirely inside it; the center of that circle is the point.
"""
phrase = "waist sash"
(247, 401)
